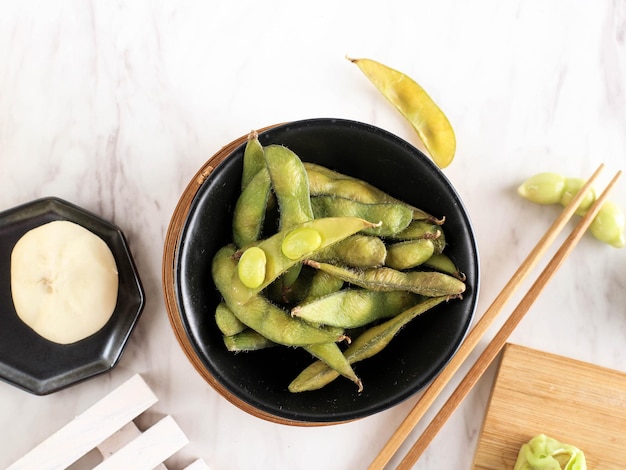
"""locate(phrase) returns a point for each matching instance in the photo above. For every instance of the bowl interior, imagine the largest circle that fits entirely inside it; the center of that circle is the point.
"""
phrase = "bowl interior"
(258, 380)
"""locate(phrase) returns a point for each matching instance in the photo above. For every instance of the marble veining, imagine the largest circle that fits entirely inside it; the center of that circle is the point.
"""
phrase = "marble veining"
(115, 105)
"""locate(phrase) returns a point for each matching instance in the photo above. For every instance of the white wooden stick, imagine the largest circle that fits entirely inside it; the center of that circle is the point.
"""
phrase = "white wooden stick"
(151, 448)
(90, 428)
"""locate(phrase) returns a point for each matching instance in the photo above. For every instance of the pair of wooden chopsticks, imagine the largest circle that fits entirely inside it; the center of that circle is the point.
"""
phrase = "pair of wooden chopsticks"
(481, 327)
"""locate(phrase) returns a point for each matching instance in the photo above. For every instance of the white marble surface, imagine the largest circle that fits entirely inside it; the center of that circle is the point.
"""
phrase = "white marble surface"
(115, 105)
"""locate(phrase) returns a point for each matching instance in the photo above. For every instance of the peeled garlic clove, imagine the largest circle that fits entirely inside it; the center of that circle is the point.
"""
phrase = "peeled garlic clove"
(64, 281)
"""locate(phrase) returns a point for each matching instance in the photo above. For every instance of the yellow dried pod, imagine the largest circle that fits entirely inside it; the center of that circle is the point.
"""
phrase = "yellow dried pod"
(428, 120)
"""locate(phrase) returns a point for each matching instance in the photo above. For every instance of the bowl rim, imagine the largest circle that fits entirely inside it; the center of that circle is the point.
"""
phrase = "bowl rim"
(171, 251)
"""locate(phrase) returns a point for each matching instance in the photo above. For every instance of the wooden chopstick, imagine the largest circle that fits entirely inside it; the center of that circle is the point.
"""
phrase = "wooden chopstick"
(499, 340)
(479, 330)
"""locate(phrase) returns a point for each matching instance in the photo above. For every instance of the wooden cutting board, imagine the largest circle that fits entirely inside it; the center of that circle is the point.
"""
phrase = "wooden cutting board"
(572, 401)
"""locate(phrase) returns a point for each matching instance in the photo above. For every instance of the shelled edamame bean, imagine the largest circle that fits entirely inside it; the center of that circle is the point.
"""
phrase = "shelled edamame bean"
(344, 256)
(552, 188)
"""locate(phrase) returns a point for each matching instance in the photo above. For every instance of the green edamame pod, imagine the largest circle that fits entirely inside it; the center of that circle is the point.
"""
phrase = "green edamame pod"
(324, 181)
(409, 254)
(331, 231)
(253, 159)
(427, 283)
(351, 308)
(393, 217)
(366, 345)
(332, 357)
(290, 184)
(358, 251)
(226, 320)
(261, 315)
(321, 285)
(247, 340)
(442, 263)
(250, 209)
(418, 229)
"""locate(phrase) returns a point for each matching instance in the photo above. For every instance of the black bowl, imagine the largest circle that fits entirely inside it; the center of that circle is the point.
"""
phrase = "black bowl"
(257, 381)
(34, 363)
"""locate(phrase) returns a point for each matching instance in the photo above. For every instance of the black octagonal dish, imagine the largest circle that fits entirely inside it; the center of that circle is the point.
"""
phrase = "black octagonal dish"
(257, 381)
(30, 361)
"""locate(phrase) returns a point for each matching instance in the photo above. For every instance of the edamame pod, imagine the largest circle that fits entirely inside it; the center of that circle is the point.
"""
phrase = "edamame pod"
(419, 229)
(409, 254)
(326, 182)
(253, 159)
(332, 357)
(366, 345)
(250, 209)
(358, 251)
(226, 320)
(322, 284)
(392, 217)
(427, 283)
(331, 230)
(247, 340)
(261, 315)
(351, 308)
(442, 263)
(290, 184)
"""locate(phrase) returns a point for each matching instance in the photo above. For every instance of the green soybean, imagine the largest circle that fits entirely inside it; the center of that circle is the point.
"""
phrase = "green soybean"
(409, 254)
(358, 251)
(366, 345)
(351, 308)
(427, 283)
(571, 189)
(608, 225)
(393, 217)
(419, 229)
(259, 314)
(543, 188)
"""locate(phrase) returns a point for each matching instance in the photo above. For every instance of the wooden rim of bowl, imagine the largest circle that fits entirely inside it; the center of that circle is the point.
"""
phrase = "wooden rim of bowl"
(172, 239)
